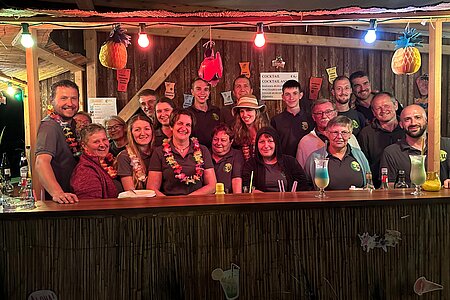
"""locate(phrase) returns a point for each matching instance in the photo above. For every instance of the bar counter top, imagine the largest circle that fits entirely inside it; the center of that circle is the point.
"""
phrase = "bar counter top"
(244, 201)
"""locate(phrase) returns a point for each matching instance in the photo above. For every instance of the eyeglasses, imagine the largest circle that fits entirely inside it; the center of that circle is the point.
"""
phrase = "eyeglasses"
(114, 127)
(335, 134)
(321, 113)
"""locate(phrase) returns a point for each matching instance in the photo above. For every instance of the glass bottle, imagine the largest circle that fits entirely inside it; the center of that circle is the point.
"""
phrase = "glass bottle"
(400, 183)
(369, 182)
(384, 179)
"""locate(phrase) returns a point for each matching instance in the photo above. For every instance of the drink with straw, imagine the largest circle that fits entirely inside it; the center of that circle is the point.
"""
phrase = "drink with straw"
(417, 175)
(321, 178)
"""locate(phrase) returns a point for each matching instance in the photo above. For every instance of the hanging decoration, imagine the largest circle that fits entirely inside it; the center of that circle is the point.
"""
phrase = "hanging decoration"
(170, 89)
(227, 99)
(113, 53)
(123, 77)
(278, 62)
(245, 68)
(406, 58)
(211, 68)
(229, 280)
(332, 74)
(315, 84)
(187, 100)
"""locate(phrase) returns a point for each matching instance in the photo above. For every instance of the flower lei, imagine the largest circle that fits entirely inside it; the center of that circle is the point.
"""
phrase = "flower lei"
(107, 165)
(177, 169)
(71, 139)
(138, 170)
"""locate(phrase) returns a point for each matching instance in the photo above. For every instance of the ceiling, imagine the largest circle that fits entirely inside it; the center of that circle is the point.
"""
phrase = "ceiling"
(50, 14)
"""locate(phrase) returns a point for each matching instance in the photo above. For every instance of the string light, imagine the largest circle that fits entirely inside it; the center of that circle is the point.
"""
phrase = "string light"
(260, 40)
(143, 40)
(27, 39)
(10, 90)
(371, 35)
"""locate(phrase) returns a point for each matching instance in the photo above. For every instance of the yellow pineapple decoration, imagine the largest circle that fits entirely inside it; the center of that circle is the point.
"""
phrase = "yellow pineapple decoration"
(113, 53)
(406, 58)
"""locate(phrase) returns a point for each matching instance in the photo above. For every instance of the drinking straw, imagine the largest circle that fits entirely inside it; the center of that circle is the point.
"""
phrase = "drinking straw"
(422, 145)
(282, 186)
(294, 186)
(279, 185)
(251, 182)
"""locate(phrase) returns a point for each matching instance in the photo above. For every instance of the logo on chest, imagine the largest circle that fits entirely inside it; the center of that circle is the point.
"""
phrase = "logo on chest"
(355, 166)
(228, 167)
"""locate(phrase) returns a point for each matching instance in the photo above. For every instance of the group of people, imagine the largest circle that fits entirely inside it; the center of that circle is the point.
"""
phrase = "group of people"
(187, 151)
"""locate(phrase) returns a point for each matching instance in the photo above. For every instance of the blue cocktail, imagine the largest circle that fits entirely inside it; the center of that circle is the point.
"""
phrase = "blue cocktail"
(321, 177)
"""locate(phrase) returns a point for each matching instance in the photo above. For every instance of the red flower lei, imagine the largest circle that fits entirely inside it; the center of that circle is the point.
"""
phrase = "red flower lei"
(107, 165)
(177, 169)
(71, 139)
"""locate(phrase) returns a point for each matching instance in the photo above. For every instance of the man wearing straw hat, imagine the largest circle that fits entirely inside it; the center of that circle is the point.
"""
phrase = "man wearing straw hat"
(413, 120)
(295, 121)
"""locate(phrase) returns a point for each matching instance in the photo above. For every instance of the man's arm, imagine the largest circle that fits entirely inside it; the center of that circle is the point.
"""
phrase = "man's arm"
(49, 182)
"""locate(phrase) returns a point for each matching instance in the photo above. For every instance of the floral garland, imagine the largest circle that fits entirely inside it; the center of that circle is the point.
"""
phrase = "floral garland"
(138, 170)
(177, 169)
(107, 164)
(71, 139)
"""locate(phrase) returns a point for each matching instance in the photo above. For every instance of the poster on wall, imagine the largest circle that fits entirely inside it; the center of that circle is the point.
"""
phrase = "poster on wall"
(271, 84)
(101, 108)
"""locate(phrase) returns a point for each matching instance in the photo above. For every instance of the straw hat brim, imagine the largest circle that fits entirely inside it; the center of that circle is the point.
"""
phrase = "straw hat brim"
(261, 107)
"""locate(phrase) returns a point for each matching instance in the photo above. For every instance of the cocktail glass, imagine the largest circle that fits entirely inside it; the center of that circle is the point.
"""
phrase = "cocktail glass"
(321, 178)
(418, 174)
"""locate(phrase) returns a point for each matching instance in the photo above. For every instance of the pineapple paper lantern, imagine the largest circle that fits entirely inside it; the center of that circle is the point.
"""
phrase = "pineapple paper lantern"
(406, 58)
(113, 53)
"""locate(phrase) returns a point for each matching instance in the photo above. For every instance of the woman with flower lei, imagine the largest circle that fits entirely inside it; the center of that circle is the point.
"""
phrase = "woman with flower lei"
(181, 165)
(134, 160)
(94, 176)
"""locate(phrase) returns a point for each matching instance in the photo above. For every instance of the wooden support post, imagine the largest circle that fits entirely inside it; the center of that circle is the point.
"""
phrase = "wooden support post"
(165, 69)
(32, 109)
(90, 44)
(434, 96)
(79, 82)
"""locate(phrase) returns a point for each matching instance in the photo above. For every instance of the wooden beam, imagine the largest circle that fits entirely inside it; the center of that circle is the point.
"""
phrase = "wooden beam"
(32, 109)
(90, 45)
(79, 82)
(288, 39)
(85, 4)
(13, 79)
(166, 68)
(434, 96)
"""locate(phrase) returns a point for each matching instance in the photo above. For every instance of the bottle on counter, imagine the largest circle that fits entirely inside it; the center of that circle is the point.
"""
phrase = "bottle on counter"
(5, 168)
(384, 179)
(369, 182)
(23, 166)
(400, 183)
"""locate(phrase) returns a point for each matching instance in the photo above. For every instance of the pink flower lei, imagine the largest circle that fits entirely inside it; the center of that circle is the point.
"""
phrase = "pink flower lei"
(177, 169)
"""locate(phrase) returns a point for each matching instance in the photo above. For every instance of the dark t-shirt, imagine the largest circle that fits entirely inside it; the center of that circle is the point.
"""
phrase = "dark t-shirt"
(171, 185)
(291, 129)
(226, 116)
(124, 167)
(357, 118)
(159, 137)
(229, 167)
(273, 175)
(344, 173)
(114, 150)
(51, 140)
(205, 123)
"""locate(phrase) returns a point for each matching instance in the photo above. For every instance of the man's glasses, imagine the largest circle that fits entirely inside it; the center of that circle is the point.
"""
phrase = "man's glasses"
(321, 113)
(114, 127)
(344, 134)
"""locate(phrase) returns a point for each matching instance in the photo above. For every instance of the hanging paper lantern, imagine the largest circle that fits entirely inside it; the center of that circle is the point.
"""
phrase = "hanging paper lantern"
(113, 53)
(406, 58)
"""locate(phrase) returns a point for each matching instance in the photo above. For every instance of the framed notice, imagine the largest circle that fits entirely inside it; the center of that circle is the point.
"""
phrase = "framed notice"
(101, 108)
(271, 84)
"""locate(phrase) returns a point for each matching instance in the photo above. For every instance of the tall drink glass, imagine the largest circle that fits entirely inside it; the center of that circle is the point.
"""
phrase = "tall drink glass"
(418, 174)
(321, 178)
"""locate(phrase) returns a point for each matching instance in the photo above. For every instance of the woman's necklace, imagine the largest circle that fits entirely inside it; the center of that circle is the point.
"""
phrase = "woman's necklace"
(181, 149)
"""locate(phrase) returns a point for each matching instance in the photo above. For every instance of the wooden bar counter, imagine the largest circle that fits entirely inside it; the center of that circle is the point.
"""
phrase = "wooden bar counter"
(287, 245)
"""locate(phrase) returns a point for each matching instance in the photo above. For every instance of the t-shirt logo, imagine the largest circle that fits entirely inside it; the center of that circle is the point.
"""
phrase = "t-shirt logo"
(355, 166)
(355, 124)
(228, 167)
(443, 155)
(305, 125)
(215, 116)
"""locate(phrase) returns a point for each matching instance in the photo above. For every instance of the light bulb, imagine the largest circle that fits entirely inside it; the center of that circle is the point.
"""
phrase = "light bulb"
(26, 39)
(370, 36)
(10, 90)
(143, 40)
(260, 40)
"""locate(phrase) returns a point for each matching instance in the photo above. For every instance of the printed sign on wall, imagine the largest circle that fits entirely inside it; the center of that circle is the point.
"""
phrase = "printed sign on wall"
(271, 84)
(101, 108)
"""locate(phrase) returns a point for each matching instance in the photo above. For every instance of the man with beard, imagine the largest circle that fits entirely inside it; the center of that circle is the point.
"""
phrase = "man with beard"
(295, 121)
(382, 132)
(342, 91)
(413, 120)
(241, 86)
(56, 146)
(362, 89)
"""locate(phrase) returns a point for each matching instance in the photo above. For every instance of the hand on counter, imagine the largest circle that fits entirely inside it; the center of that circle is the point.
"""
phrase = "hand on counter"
(65, 198)
(447, 184)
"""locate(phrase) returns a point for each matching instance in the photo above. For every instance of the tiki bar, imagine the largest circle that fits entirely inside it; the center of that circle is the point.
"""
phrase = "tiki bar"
(224, 149)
